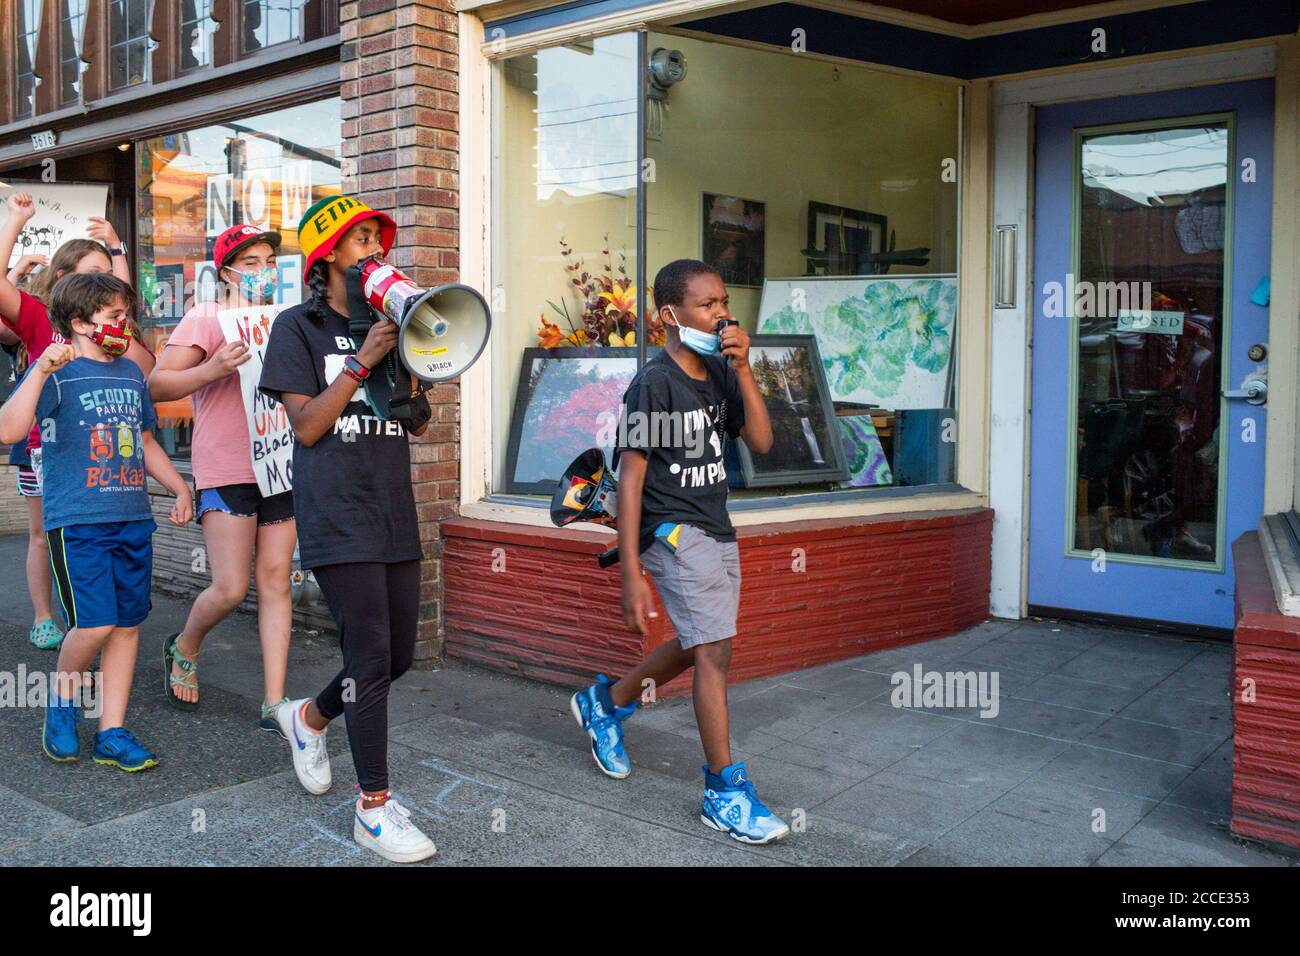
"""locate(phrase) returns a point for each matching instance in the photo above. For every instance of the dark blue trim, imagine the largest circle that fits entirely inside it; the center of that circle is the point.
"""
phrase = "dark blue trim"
(837, 34)
(1162, 30)
(564, 13)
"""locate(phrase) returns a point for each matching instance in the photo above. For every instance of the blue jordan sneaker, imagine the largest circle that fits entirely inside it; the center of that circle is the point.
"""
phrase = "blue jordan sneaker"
(596, 714)
(117, 747)
(732, 806)
(59, 735)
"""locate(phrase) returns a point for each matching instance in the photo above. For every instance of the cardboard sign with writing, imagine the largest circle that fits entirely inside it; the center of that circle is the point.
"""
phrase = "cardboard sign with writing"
(63, 212)
(270, 437)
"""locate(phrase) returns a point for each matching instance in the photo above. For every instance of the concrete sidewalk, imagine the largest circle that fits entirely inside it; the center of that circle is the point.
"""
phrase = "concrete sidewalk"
(1127, 729)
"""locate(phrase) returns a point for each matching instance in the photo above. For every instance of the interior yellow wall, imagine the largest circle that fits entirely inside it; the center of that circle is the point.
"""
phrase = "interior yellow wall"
(783, 130)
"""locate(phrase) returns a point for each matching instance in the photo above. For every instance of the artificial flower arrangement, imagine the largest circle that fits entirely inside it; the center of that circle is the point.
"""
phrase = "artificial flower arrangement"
(609, 307)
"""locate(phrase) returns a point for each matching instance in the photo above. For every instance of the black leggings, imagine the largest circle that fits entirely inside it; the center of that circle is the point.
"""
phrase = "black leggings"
(376, 608)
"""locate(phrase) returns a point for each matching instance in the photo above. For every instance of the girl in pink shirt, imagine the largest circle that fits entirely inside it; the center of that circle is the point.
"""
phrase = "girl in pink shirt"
(237, 521)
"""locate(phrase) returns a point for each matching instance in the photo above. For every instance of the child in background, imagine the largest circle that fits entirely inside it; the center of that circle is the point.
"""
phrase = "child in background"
(92, 407)
(672, 518)
(24, 312)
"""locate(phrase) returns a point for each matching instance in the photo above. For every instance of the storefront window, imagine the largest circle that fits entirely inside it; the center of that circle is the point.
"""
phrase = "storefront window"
(197, 27)
(565, 258)
(825, 196)
(128, 42)
(268, 22)
(27, 29)
(72, 26)
(821, 197)
(265, 171)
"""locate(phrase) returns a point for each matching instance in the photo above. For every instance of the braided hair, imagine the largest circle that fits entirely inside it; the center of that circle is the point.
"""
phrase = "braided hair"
(318, 284)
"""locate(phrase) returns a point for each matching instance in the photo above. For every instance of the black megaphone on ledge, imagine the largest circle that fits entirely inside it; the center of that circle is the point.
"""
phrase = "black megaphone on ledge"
(587, 492)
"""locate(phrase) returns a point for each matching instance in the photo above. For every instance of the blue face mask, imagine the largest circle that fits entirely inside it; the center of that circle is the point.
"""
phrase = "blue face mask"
(259, 286)
(704, 343)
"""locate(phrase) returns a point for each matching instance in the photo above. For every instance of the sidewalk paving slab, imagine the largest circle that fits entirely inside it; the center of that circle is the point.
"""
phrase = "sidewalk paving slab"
(1138, 725)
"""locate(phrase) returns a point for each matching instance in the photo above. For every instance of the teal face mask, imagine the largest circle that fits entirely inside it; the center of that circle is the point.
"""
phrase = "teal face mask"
(704, 343)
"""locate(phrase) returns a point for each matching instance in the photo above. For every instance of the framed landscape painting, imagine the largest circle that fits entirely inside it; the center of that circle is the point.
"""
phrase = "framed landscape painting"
(806, 442)
(564, 403)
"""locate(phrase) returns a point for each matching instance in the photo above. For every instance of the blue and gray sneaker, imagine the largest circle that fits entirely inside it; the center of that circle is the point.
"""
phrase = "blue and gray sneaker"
(59, 736)
(732, 806)
(595, 713)
(117, 747)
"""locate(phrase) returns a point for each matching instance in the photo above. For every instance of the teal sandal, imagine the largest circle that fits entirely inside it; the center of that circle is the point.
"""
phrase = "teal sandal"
(46, 635)
(188, 665)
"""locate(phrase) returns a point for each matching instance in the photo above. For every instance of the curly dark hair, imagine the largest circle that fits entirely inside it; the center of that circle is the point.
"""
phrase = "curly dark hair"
(318, 283)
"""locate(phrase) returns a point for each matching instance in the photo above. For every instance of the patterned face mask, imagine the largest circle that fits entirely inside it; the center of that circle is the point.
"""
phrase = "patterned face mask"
(259, 286)
(113, 339)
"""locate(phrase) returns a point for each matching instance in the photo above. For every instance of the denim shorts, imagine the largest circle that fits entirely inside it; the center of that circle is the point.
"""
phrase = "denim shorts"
(245, 501)
(699, 584)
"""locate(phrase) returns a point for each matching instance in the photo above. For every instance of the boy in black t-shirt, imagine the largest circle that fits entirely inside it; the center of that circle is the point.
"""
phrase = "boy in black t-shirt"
(672, 519)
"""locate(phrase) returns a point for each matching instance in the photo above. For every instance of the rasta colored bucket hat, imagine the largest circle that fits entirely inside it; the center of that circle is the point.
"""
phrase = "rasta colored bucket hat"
(324, 224)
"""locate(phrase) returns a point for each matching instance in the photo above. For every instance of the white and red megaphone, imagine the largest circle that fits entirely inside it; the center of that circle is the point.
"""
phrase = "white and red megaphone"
(441, 331)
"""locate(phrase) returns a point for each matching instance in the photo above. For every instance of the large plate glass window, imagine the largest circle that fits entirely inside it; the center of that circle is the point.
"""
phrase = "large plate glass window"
(564, 256)
(191, 185)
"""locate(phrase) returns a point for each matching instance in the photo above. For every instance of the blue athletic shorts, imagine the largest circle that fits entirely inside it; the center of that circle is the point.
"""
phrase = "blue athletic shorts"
(102, 572)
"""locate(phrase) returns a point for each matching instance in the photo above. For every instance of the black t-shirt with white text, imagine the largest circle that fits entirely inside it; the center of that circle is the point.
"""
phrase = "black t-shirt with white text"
(682, 425)
(352, 495)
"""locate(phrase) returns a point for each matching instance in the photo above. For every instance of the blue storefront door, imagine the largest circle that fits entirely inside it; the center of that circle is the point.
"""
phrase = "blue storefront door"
(1151, 225)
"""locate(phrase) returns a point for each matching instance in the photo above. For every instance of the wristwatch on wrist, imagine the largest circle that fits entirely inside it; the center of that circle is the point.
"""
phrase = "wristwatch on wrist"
(118, 250)
(353, 368)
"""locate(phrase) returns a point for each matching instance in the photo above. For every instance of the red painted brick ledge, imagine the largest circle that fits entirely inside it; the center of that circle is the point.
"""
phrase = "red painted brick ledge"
(550, 613)
(1266, 732)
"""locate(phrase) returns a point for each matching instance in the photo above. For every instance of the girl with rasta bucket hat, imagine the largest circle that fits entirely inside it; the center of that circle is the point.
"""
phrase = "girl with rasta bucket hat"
(238, 522)
(357, 523)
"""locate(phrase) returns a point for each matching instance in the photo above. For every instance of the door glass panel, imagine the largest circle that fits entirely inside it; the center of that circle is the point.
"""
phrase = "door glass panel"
(1149, 302)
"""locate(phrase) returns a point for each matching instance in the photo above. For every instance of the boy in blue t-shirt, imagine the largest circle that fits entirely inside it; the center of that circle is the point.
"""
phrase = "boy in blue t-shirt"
(95, 417)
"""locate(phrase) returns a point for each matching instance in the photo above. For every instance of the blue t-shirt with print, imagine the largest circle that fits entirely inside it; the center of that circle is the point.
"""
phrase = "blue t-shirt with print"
(92, 416)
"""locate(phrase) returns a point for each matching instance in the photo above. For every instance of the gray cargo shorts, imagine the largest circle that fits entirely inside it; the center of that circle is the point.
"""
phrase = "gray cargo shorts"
(699, 584)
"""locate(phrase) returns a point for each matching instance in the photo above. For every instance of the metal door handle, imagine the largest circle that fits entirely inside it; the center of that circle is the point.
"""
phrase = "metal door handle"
(1255, 392)
(1004, 267)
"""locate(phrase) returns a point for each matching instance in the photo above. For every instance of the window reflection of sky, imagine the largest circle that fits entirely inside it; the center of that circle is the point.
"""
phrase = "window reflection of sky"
(1147, 167)
(586, 118)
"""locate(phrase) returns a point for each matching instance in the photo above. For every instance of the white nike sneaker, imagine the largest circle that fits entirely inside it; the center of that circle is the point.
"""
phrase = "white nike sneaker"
(387, 829)
(311, 758)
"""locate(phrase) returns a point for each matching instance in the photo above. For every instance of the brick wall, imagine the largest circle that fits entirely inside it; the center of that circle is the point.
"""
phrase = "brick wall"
(1265, 730)
(13, 509)
(181, 569)
(400, 148)
(534, 601)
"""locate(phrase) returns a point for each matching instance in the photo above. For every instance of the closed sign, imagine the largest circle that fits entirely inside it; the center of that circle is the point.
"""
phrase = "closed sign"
(1142, 320)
